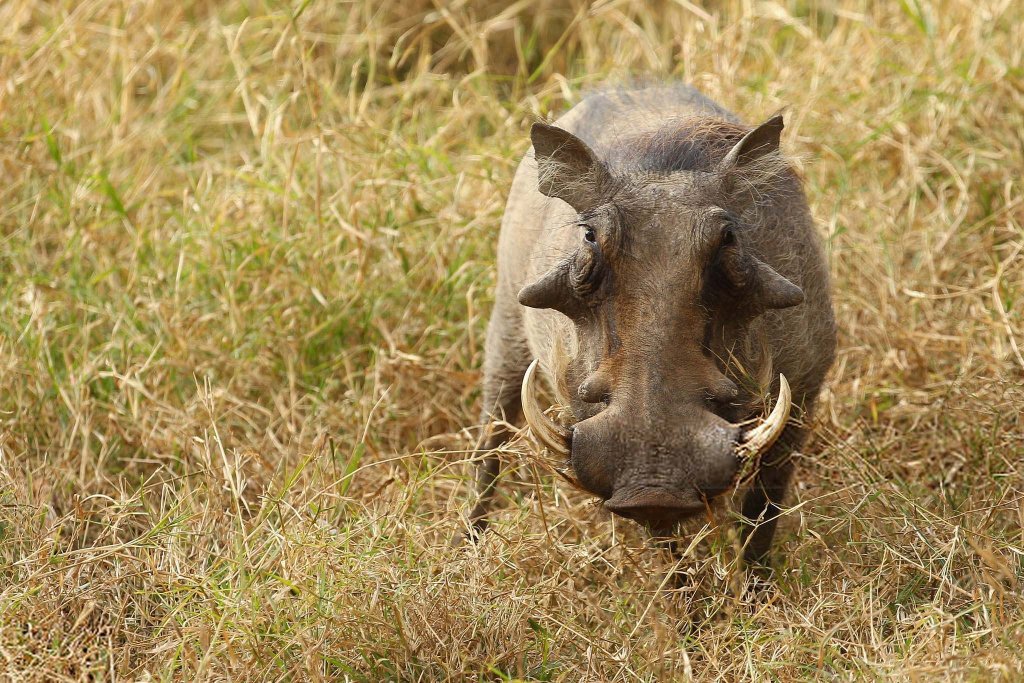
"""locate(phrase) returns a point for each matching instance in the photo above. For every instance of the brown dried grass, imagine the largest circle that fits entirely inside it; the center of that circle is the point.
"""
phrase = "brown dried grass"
(246, 262)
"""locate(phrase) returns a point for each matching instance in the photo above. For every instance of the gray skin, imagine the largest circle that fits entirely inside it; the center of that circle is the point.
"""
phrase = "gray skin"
(659, 258)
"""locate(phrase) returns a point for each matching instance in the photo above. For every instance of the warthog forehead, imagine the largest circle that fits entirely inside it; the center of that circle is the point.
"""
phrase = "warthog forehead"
(676, 226)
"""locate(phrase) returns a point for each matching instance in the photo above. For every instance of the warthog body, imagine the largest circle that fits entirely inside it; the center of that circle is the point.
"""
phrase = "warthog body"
(658, 258)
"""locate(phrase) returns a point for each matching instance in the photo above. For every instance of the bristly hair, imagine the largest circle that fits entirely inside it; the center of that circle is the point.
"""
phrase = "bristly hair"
(684, 144)
(698, 144)
(690, 144)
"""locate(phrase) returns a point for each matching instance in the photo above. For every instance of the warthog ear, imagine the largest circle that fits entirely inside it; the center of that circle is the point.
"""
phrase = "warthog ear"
(754, 145)
(566, 167)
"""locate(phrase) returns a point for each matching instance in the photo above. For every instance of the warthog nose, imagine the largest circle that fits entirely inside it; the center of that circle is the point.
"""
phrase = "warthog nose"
(653, 505)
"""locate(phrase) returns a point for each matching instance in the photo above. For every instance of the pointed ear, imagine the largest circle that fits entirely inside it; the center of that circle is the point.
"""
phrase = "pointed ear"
(566, 167)
(757, 143)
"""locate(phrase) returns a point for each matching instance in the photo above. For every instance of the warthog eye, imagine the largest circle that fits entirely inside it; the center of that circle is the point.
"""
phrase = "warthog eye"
(590, 235)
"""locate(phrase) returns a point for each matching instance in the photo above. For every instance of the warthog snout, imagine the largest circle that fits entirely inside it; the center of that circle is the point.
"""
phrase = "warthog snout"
(653, 461)
(654, 476)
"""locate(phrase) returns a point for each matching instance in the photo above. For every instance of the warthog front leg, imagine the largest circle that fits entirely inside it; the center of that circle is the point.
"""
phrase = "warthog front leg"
(506, 357)
(487, 471)
(762, 504)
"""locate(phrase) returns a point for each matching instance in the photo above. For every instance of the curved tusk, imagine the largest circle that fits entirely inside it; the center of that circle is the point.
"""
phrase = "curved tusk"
(550, 434)
(760, 438)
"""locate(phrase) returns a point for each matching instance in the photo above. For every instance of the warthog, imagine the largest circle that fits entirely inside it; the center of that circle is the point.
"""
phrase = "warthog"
(658, 260)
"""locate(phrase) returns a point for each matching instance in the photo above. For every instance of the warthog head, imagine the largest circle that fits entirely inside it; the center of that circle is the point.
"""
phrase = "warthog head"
(660, 283)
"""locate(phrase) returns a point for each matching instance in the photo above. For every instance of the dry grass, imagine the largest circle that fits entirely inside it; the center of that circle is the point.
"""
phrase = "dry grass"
(246, 261)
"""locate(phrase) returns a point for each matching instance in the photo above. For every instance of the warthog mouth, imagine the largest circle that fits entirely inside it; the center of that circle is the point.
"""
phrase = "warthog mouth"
(753, 444)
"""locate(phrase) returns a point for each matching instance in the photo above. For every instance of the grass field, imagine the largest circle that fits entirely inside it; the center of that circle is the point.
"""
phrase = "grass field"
(246, 262)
